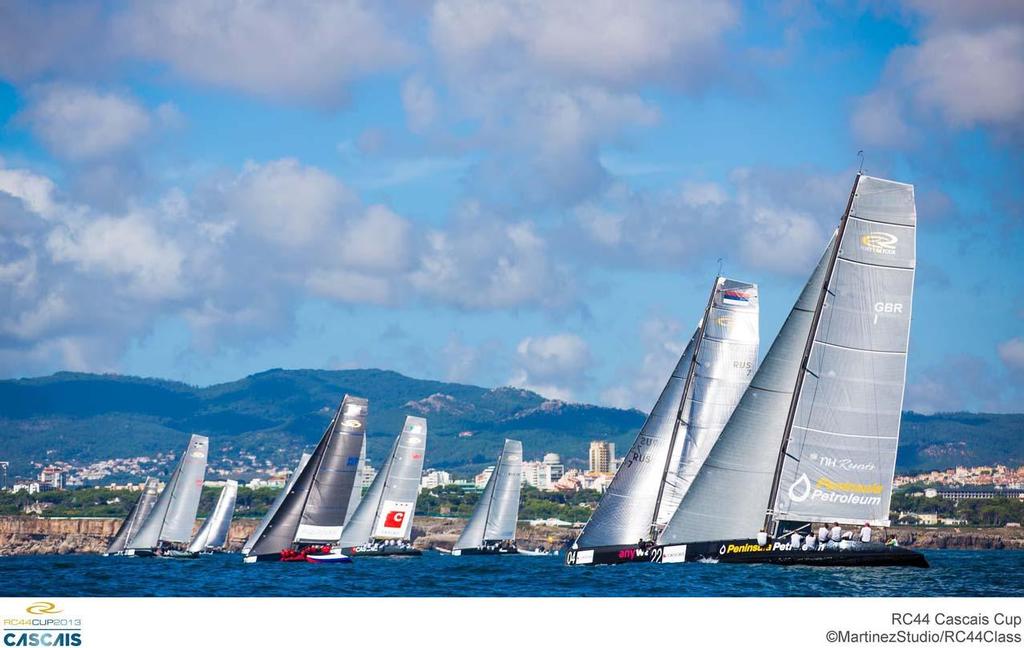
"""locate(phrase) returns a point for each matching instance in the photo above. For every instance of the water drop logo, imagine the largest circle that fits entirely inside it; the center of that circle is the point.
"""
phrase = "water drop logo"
(43, 607)
(800, 489)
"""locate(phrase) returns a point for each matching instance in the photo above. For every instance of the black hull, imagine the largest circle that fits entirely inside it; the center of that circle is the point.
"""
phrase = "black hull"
(748, 552)
(480, 551)
(386, 551)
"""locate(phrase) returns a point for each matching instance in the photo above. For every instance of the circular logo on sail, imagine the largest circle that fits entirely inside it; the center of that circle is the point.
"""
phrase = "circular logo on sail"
(350, 423)
(414, 441)
(723, 321)
(879, 242)
(800, 489)
(43, 607)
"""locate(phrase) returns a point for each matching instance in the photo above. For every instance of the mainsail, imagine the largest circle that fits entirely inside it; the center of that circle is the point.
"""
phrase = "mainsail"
(840, 450)
(826, 399)
(213, 534)
(138, 514)
(276, 504)
(684, 424)
(315, 508)
(387, 510)
(497, 512)
(174, 513)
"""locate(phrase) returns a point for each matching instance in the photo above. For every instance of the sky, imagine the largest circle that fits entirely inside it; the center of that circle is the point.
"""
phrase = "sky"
(523, 193)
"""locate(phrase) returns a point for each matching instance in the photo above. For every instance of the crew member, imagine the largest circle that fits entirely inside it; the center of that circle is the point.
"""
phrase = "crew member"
(835, 534)
(794, 540)
(811, 542)
(865, 532)
(823, 534)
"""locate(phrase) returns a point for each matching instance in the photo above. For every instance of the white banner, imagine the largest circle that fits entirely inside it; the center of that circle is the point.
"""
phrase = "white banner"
(314, 622)
(394, 519)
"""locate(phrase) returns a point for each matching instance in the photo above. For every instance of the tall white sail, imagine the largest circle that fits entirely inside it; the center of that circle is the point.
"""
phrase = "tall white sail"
(213, 534)
(276, 504)
(628, 505)
(685, 422)
(357, 488)
(497, 512)
(388, 508)
(727, 498)
(174, 513)
(140, 511)
(841, 448)
(725, 363)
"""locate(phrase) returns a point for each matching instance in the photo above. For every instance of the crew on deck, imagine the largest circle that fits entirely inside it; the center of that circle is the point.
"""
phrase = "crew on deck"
(865, 532)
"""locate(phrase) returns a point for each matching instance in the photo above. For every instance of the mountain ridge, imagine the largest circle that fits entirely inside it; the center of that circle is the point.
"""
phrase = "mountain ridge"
(273, 414)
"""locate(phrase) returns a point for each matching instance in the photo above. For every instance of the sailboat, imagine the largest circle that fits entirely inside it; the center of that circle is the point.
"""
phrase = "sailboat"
(382, 523)
(136, 516)
(213, 534)
(814, 437)
(700, 395)
(276, 504)
(311, 517)
(491, 529)
(169, 525)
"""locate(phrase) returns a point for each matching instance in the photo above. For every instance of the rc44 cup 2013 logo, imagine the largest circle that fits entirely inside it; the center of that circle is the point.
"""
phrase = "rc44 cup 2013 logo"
(43, 624)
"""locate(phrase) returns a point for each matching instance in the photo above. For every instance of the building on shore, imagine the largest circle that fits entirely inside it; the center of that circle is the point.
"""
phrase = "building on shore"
(975, 493)
(434, 479)
(480, 481)
(602, 457)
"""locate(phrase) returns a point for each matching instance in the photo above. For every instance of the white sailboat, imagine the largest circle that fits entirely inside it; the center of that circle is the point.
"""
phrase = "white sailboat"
(491, 529)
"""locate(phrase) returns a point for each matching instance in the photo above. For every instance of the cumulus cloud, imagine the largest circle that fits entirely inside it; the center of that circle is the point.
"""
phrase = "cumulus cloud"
(663, 339)
(548, 84)
(963, 73)
(775, 220)
(80, 123)
(1011, 352)
(551, 365)
(304, 50)
(420, 103)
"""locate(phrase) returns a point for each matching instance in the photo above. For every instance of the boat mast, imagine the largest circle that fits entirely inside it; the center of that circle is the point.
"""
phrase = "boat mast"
(808, 346)
(682, 405)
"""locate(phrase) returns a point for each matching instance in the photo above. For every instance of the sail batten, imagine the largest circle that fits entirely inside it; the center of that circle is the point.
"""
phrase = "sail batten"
(390, 503)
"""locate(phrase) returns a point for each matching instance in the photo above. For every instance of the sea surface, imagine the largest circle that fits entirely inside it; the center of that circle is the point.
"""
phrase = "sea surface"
(953, 573)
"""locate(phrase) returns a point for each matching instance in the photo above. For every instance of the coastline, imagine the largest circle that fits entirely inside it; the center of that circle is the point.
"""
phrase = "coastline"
(27, 535)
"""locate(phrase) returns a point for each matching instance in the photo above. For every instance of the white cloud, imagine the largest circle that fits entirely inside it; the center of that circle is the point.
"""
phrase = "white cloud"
(552, 365)
(80, 123)
(664, 340)
(300, 50)
(1011, 352)
(963, 73)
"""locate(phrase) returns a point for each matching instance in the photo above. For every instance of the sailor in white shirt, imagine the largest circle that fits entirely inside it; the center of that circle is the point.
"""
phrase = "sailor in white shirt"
(794, 540)
(823, 534)
(835, 534)
(810, 543)
(865, 533)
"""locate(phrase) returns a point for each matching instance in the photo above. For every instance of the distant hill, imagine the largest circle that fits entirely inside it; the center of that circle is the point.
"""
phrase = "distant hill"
(273, 414)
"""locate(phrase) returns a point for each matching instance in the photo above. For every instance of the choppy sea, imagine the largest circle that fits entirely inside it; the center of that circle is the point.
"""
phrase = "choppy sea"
(953, 573)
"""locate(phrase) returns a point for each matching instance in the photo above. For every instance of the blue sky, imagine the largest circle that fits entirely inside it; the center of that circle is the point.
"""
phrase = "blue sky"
(524, 193)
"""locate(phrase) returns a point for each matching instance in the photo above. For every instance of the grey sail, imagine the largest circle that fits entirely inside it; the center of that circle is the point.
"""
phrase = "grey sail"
(497, 512)
(628, 505)
(213, 534)
(357, 488)
(314, 508)
(390, 503)
(841, 450)
(725, 363)
(276, 504)
(174, 513)
(140, 511)
(727, 498)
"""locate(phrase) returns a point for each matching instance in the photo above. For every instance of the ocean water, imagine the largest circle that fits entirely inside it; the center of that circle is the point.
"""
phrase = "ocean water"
(953, 573)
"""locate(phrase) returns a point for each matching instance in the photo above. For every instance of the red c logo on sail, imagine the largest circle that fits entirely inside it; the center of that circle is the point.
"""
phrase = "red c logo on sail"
(394, 519)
